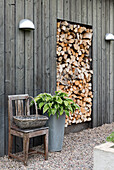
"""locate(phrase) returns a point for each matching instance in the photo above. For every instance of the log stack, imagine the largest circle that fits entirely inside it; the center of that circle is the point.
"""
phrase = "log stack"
(74, 74)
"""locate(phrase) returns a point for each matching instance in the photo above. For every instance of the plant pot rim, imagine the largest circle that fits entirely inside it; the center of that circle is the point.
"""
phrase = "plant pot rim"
(107, 147)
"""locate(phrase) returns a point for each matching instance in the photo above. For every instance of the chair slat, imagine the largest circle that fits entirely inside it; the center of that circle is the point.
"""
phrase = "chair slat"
(22, 107)
(10, 112)
(27, 108)
(16, 107)
(19, 107)
(18, 97)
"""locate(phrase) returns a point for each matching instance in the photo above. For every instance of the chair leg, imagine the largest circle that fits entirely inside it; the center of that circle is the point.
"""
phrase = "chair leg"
(25, 148)
(46, 146)
(10, 143)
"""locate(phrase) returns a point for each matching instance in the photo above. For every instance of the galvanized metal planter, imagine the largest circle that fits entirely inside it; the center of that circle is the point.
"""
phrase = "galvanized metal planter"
(56, 132)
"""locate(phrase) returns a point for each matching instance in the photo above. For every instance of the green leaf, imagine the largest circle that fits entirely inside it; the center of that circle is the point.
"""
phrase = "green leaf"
(77, 106)
(70, 100)
(41, 104)
(49, 112)
(50, 104)
(56, 92)
(56, 106)
(46, 107)
(53, 111)
(43, 98)
(36, 98)
(67, 112)
(57, 114)
(70, 108)
(59, 100)
(66, 103)
(61, 111)
(61, 94)
(31, 103)
(48, 97)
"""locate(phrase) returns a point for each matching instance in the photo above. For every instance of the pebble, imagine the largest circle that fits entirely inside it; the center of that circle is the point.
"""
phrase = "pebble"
(76, 154)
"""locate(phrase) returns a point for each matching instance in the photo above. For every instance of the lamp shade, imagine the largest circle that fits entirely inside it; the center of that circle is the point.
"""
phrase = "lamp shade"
(26, 24)
(109, 37)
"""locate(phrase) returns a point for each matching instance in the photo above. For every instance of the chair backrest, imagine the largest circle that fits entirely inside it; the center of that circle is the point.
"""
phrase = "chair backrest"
(17, 105)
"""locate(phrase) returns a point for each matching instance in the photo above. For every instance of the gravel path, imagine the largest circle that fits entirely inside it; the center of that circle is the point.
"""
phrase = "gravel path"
(77, 152)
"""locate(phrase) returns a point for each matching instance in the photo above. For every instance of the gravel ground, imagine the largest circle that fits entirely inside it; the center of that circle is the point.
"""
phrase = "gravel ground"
(77, 152)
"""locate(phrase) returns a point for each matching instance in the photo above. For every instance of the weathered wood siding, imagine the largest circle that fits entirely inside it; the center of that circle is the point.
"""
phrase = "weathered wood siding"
(2, 78)
(28, 59)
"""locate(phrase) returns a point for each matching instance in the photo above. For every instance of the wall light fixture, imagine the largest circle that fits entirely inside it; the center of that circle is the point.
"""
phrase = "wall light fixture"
(26, 24)
(109, 37)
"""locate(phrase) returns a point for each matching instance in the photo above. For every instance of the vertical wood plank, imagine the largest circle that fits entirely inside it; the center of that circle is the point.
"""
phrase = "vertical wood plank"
(111, 74)
(66, 9)
(52, 47)
(60, 9)
(46, 46)
(10, 51)
(29, 77)
(107, 20)
(89, 12)
(37, 48)
(103, 50)
(38, 55)
(9, 59)
(29, 50)
(94, 116)
(99, 82)
(72, 10)
(19, 49)
(78, 11)
(2, 78)
(20, 59)
(84, 12)
(42, 45)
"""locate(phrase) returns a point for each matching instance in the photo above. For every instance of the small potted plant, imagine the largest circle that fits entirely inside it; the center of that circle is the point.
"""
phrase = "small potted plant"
(56, 107)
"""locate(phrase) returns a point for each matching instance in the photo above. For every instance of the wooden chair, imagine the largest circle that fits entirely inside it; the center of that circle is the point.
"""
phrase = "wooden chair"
(16, 106)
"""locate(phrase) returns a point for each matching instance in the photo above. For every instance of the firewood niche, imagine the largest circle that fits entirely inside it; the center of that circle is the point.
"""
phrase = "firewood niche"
(74, 73)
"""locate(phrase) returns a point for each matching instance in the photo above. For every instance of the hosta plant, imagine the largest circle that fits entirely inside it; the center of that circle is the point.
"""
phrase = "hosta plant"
(57, 104)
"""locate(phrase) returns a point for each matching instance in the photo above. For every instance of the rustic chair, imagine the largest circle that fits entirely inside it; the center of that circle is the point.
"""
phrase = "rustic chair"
(18, 105)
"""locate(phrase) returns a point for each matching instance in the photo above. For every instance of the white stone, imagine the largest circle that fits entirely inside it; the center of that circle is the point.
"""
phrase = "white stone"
(104, 156)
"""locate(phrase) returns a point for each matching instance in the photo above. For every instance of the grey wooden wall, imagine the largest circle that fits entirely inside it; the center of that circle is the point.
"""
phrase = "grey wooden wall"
(28, 59)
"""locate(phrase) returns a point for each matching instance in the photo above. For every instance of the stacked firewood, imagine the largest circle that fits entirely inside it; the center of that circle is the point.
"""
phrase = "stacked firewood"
(74, 72)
